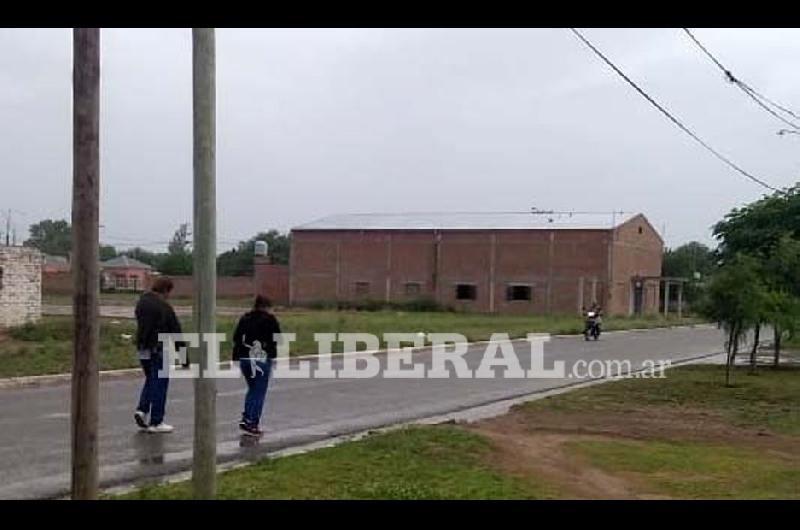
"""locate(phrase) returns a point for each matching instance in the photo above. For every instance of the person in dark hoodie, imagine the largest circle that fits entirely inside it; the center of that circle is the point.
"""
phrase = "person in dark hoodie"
(255, 347)
(154, 315)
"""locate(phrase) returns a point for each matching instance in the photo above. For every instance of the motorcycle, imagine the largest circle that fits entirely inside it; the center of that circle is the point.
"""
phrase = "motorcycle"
(592, 327)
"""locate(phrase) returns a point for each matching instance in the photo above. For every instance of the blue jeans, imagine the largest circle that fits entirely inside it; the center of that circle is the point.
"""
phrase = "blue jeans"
(256, 388)
(153, 399)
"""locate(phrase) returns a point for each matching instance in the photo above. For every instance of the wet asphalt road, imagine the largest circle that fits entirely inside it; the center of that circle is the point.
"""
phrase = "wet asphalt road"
(34, 422)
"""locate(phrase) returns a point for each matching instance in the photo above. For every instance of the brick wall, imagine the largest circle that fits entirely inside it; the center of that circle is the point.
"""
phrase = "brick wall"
(637, 252)
(562, 268)
(272, 281)
(20, 285)
(227, 286)
(59, 282)
(269, 280)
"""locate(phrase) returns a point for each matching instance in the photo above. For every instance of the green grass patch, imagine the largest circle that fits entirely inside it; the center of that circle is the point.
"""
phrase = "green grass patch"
(695, 470)
(45, 347)
(441, 462)
(129, 299)
(768, 399)
(474, 326)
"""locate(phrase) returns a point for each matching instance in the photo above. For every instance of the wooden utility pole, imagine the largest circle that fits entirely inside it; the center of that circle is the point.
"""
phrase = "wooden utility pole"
(205, 254)
(85, 248)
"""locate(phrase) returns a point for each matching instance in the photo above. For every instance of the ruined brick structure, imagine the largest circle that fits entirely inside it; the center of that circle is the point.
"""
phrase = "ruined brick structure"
(20, 285)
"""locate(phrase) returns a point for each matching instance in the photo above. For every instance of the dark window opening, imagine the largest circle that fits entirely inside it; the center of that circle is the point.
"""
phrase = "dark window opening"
(413, 288)
(518, 292)
(362, 288)
(465, 291)
(640, 230)
(1, 277)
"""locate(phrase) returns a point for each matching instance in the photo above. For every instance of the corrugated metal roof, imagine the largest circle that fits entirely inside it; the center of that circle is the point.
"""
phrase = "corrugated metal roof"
(467, 221)
(125, 262)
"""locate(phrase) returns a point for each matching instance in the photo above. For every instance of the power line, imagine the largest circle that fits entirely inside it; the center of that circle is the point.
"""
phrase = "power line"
(765, 98)
(727, 72)
(752, 94)
(125, 240)
(673, 119)
(755, 96)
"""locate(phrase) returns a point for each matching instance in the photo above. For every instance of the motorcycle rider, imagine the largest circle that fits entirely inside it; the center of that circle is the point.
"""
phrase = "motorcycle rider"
(593, 317)
(598, 315)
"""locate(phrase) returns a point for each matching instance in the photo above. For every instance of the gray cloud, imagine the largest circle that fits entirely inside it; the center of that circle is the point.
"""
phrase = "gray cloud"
(315, 122)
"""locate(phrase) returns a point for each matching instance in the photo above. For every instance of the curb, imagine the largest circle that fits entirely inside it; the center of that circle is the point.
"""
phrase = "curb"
(55, 379)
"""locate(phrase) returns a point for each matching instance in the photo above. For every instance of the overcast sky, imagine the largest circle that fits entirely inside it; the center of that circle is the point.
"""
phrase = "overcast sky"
(325, 121)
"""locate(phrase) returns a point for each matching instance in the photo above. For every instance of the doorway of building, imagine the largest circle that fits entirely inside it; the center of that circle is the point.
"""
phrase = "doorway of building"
(638, 297)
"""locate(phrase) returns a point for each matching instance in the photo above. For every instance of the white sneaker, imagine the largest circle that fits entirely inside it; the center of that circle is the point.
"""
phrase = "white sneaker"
(141, 419)
(160, 428)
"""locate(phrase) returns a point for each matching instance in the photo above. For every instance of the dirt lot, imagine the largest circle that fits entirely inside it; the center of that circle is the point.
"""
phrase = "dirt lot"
(541, 443)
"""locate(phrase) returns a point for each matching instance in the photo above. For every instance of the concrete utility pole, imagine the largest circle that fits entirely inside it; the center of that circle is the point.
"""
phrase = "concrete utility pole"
(204, 478)
(85, 248)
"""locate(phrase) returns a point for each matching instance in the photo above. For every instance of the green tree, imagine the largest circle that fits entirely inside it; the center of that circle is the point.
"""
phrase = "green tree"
(175, 264)
(781, 311)
(768, 230)
(279, 245)
(736, 299)
(178, 259)
(239, 261)
(180, 240)
(235, 262)
(51, 237)
(694, 261)
(145, 256)
(782, 276)
(757, 228)
(107, 252)
(687, 259)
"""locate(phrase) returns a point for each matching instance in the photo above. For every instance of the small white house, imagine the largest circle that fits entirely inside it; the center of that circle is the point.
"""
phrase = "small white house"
(20, 285)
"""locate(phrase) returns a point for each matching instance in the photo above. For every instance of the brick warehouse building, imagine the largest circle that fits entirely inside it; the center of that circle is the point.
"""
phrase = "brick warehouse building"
(486, 262)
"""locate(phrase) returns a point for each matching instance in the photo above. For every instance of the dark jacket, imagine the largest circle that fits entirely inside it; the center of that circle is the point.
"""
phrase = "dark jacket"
(255, 325)
(153, 316)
